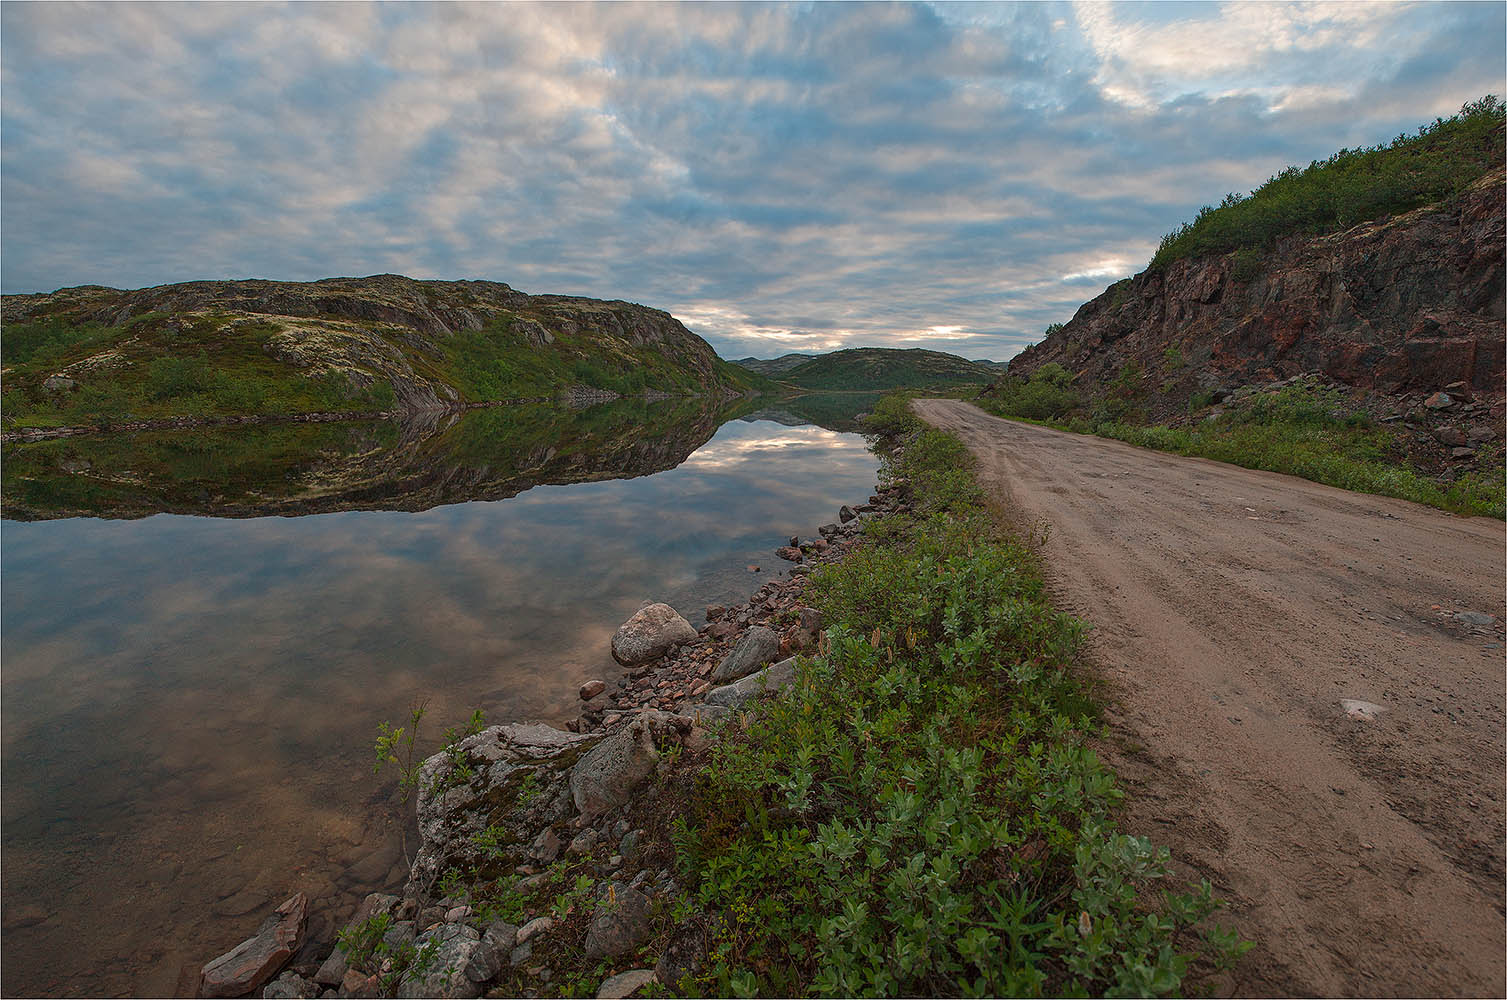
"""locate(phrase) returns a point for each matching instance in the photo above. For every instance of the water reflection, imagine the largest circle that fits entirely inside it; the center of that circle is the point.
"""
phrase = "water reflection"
(189, 702)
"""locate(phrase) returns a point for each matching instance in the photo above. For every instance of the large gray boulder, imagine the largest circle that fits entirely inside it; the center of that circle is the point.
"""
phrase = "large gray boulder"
(608, 775)
(443, 975)
(649, 634)
(741, 692)
(520, 783)
(252, 963)
(758, 646)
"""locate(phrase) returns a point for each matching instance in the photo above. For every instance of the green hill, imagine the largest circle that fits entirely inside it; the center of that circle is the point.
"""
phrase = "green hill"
(874, 368)
(92, 355)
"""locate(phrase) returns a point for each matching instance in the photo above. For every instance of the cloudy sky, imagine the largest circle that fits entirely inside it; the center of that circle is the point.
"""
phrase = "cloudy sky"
(788, 177)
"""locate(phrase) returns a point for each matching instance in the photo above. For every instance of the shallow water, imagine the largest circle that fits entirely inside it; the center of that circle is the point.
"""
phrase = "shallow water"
(189, 702)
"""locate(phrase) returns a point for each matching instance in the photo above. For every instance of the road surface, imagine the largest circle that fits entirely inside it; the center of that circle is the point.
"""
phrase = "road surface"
(1238, 617)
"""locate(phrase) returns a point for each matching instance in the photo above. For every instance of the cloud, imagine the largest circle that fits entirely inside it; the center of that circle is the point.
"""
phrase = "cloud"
(782, 177)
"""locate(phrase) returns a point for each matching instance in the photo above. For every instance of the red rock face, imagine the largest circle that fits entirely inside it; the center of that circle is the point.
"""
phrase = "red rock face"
(1403, 304)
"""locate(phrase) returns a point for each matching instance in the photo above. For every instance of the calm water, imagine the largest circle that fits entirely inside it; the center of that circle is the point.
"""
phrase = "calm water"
(189, 701)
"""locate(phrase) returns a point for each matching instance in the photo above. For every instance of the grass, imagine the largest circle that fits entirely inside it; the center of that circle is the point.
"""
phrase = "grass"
(1352, 186)
(1304, 430)
(921, 814)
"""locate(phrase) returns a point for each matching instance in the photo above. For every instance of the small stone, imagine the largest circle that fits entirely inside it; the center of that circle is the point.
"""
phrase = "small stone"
(846, 514)
(546, 846)
(789, 553)
(1474, 617)
(625, 984)
(753, 569)
(290, 986)
(1439, 401)
(583, 844)
(591, 689)
(1461, 452)
(520, 954)
(456, 914)
(535, 927)
(795, 540)
(714, 611)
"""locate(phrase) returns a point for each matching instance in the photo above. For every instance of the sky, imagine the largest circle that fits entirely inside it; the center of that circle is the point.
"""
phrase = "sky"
(791, 177)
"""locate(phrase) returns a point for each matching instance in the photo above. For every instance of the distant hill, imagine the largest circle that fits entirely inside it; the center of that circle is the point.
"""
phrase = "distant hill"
(860, 368)
(91, 355)
(775, 367)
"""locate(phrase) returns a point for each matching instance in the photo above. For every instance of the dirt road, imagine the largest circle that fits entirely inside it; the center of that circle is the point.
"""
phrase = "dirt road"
(1236, 616)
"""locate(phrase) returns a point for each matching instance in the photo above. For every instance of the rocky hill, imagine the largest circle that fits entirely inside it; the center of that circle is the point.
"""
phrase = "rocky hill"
(384, 343)
(873, 368)
(1402, 305)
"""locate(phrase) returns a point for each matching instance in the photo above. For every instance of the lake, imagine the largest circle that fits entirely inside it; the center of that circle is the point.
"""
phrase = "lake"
(201, 630)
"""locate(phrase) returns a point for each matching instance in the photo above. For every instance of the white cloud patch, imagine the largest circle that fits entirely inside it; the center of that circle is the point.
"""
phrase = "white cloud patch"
(781, 177)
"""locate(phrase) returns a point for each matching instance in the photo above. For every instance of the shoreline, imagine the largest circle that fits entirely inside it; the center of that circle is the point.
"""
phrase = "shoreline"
(672, 696)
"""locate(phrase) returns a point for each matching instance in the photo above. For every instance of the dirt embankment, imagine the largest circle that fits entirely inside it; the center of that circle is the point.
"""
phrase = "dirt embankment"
(1305, 698)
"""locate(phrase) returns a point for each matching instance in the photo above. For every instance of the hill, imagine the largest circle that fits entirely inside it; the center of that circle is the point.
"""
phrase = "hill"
(775, 367)
(873, 368)
(385, 343)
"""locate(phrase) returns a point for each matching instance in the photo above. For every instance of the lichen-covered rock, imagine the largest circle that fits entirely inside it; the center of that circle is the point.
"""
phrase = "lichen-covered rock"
(607, 775)
(450, 948)
(290, 986)
(621, 923)
(741, 692)
(250, 964)
(758, 646)
(520, 786)
(649, 634)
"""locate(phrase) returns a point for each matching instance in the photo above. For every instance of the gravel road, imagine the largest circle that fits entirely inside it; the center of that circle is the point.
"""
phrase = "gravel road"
(1296, 706)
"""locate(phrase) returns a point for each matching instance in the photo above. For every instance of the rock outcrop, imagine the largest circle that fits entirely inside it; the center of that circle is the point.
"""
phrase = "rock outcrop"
(1398, 305)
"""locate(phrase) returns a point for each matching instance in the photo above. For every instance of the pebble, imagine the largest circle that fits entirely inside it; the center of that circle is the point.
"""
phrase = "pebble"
(532, 929)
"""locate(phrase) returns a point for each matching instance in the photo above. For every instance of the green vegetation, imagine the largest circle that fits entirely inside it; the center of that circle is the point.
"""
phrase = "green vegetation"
(920, 813)
(369, 946)
(879, 368)
(1305, 429)
(1352, 186)
(1046, 395)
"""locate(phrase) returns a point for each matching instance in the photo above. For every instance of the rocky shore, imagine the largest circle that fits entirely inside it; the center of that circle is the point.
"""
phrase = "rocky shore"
(545, 861)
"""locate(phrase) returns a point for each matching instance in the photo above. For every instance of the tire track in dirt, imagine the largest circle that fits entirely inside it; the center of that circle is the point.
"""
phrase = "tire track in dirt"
(1232, 611)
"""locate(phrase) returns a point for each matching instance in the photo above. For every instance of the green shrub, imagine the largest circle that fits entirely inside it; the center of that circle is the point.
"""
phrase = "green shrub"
(920, 814)
(1352, 186)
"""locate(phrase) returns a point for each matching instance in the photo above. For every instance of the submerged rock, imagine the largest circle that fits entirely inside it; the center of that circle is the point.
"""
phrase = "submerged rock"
(250, 964)
(649, 634)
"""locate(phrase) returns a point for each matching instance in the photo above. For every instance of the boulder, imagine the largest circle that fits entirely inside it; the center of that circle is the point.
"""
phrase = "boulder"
(741, 692)
(249, 965)
(625, 984)
(505, 761)
(649, 634)
(620, 925)
(607, 776)
(290, 986)
(453, 945)
(758, 646)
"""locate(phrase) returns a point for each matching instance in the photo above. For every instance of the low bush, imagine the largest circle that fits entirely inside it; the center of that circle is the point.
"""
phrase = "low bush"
(921, 814)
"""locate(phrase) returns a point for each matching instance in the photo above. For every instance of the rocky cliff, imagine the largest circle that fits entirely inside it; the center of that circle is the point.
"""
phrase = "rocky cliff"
(1408, 304)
